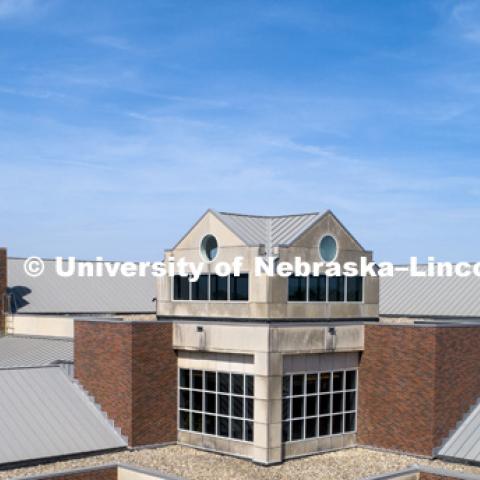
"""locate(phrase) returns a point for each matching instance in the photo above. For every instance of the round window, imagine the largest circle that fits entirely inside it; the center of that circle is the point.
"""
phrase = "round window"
(209, 247)
(328, 248)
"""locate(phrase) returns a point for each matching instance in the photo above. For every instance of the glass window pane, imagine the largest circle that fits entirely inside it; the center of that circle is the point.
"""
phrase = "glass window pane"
(297, 289)
(311, 427)
(249, 390)
(237, 407)
(337, 402)
(350, 380)
(286, 431)
(210, 422)
(324, 426)
(317, 288)
(210, 402)
(222, 426)
(218, 287)
(324, 404)
(197, 423)
(200, 288)
(325, 382)
(210, 381)
(197, 401)
(197, 379)
(237, 383)
(337, 381)
(223, 382)
(328, 248)
(349, 422)
(336, 289)
(185, 399)
(249, 431)
(224, 404)
(312, 402)
(297, 429)
(249, 408)
(298, 384)
(239, 287)
(286, 385)
(184, 378)
(297, 407)
(337, 424)
(312, 379)
(237, 429)
(350, 401)
(181, 288)
(286, 408)
(184, 420)
(354, 289)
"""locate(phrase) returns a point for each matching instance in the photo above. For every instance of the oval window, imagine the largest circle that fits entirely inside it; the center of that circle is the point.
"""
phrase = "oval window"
(328, 248)
(209, 247)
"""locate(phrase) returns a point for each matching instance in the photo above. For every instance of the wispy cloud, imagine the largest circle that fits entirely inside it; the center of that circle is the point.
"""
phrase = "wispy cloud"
(111, 41)
(466, 16)
(17, 8)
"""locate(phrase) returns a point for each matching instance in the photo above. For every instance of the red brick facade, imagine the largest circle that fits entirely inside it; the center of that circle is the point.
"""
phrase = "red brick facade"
(3, 288)
(130, 369)
(415, 384)
(110, 473)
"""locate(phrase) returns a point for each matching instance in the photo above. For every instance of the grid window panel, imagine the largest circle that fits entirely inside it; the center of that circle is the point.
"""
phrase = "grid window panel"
(216, 403)
(318, 404)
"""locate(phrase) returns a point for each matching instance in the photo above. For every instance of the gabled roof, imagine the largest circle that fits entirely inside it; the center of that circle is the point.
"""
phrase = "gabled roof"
(404, 295)
(25, 351)
(271, 231)
(45, 415)
(50, 293)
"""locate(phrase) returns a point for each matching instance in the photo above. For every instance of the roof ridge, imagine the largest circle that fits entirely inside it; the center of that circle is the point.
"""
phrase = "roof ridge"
(270, 216)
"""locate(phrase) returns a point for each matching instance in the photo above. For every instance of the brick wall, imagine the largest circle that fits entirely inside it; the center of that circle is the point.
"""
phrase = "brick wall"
(3, 288)
(131, 370)
(110, 473)
(430, 476)
(415, 384)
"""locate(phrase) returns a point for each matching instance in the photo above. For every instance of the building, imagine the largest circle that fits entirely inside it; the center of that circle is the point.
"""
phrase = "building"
(272, 368)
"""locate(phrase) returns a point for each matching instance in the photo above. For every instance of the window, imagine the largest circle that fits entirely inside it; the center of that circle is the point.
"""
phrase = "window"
(216, 403)
(317, 288)
(181, 288)
(218, 287)
(239, 287)
(318, 404)
(297, 289)
(328, 248)
(200, 288)
(211, 287)
(354, 289)
(336, 289)
(209, 247)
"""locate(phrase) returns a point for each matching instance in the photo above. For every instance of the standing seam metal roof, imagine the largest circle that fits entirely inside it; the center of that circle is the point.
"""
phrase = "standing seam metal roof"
(43, 414)
(25, 351)
(51, 293)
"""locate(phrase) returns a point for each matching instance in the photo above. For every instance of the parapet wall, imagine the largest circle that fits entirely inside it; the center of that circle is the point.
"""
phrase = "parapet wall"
(416, 382)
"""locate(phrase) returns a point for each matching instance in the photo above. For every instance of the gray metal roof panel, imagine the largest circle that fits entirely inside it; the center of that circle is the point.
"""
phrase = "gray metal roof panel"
(404, 295)
(51, 293)
(24, 351)
(464, 442)
(43, 414)
(268, 230)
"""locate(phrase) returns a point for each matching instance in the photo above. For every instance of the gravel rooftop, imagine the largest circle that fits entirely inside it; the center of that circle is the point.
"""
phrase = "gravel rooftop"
(188, 463)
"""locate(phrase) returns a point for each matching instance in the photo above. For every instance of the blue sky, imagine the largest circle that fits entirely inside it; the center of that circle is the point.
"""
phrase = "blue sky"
(122, 122)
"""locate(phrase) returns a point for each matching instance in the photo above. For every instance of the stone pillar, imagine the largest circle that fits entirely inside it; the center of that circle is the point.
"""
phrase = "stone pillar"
(268, 408)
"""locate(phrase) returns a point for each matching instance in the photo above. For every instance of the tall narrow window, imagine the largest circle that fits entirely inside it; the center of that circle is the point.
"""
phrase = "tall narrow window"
(200, 288)
(181, 288)
(297, 289)
(317, 288)
(218, 287)
(239, 287)
(336, 289)
(354, 289)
